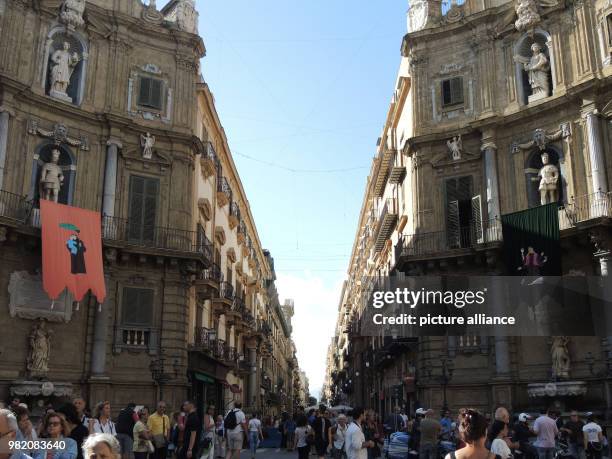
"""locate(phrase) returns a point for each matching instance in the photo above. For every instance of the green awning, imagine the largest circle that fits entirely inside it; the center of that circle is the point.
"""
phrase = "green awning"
(204, 378)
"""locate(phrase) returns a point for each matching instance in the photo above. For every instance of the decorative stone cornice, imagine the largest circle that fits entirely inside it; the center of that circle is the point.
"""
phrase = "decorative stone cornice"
(114, 141)
(557, 389)
(44, 388)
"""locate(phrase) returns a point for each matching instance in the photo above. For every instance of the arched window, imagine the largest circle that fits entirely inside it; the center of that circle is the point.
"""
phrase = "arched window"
(533, 164)
(66, 162)
(64, 65)
(534, 67)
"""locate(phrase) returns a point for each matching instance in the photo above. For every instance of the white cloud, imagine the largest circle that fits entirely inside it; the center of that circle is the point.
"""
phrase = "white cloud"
(316, 308)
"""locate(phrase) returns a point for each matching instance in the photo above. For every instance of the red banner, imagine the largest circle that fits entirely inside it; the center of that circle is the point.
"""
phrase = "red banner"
(71, 251)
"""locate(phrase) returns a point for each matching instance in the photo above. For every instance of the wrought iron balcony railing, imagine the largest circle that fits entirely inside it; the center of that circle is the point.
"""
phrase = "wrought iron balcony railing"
(157, 237)
(213, 273)
(585, 208)
(427, 244)
(387, 216)
(204, 338)
(226, 291)
(14, 207)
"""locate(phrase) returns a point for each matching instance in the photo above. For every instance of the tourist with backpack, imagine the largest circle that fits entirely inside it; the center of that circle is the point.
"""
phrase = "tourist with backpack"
(235, 429)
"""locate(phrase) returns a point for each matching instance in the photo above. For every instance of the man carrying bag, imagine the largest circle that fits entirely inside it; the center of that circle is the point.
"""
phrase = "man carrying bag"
(159, 426)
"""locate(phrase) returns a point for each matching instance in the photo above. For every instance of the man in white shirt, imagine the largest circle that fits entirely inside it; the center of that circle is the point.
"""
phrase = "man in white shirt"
(593, 438)
(355, 444)
(235, 434)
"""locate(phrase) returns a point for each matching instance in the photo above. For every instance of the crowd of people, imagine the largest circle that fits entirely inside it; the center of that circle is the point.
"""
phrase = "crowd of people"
(137, 433)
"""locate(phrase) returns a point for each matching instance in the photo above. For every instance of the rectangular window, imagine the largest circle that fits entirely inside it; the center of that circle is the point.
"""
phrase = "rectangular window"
(137, 307)
(150, 93)
(452, 91)
(144, 194)
(459, 218)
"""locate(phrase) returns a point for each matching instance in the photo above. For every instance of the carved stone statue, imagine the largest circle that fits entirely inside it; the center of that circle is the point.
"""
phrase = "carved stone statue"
(40, 350)
(71, 13)
(63, 64)
(549, 181)
(187, 16)
(527, 15)
(147, 142)
(456, 147)
(51, 178)
(538, 69)
(560, 357)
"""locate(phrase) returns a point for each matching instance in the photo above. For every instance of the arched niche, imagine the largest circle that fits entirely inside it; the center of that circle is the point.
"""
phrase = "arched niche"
(56, 37)
(522, 52)
(67, 162)
(533, 164)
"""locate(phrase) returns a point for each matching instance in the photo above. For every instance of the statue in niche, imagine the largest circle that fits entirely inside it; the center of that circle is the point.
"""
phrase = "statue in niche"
(549, 181)
(51, 178)
(71, 13)
(40, 350)
(63, 63)
(455, 147)
(538, 69)
(560, 357)
(147, 142)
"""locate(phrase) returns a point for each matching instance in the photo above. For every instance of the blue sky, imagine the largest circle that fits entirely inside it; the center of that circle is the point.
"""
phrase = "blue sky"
(304, 86)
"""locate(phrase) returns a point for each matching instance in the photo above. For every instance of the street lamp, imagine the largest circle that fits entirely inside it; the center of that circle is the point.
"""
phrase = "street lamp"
(446, 376)
(159, 375)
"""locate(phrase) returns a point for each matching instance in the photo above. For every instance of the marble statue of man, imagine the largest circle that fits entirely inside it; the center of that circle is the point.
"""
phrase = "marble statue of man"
(538, 68)
(51, 178)
(40, 350)
(147, 142)
(455, 146)
(560, 357)
(549, 181)
(62, 65)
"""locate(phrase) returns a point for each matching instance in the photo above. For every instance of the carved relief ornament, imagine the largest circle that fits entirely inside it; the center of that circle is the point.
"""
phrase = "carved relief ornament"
(59, 134)
(541, 138)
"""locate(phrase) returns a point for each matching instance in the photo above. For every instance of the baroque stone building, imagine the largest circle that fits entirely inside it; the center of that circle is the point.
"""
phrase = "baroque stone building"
(488, 93)
(113, 86)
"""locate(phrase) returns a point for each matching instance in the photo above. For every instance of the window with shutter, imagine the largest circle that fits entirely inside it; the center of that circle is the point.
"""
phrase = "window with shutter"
(137, 307)
(144, 193)
(458, 212)
(150, 93)
(477, 219)
(452, 91)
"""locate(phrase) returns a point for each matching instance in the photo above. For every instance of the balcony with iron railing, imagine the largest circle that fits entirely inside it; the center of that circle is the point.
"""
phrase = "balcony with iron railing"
(14, 209)
(585, 210)
(209, 161)
(440, 243)
(242, 232)
(386, 219)
(226, 291)
(224, 191)
(234, 215)
(135, 338)
(204, 338)
(124, 233)
(212, 273)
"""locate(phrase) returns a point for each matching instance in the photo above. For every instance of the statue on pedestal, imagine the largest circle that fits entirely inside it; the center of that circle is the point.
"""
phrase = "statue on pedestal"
(549, 179)
(455, 147)
(40, 350)
(538, 69)
(560, 357)
(147, 142)
(63, 64)
(51, 178)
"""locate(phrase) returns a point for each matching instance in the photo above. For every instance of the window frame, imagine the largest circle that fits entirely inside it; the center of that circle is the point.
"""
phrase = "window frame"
(453, 104)
(148, 105)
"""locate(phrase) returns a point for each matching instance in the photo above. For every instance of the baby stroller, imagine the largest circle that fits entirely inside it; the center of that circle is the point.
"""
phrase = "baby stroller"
(398, 445)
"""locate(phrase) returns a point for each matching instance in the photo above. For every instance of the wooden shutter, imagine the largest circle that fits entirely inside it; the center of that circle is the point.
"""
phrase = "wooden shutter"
(477, 219)
(452, 225)
(156, 94)
(145, 91)
(446, 93)
(137, 306)
(143, 198)
(456, 89)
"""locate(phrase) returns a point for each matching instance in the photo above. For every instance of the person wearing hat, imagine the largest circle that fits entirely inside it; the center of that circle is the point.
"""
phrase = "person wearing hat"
(573, 430)
(522, 433)
(337, 437)
(593, 438)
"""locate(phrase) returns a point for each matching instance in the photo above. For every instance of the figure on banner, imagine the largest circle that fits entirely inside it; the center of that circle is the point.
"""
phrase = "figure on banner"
(77, 249)
(532, 261)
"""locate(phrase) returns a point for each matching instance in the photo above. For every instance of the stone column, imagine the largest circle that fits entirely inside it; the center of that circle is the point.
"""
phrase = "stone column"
(497, 295)
(5, 113)
(489, 151)
(252, 389)
(596, 153)
(98, 351)
(110, 176)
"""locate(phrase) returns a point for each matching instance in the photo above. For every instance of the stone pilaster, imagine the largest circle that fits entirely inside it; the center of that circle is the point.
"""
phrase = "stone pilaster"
(489, 150)
(5, 114)
(110, 176)
(595, 146)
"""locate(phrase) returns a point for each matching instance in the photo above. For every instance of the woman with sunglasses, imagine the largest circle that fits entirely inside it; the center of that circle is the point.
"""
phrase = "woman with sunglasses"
(55, 432)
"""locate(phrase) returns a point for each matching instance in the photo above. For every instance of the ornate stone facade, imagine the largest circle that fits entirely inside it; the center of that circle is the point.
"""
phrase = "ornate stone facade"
(512, 80)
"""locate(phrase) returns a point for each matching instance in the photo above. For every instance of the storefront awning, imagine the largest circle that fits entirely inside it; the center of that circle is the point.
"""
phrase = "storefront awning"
(204, 378)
